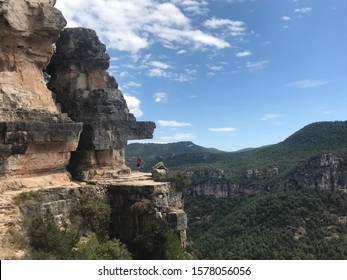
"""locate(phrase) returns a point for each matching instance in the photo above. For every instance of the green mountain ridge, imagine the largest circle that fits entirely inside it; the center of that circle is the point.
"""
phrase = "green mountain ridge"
(310, 141)
(297, 222)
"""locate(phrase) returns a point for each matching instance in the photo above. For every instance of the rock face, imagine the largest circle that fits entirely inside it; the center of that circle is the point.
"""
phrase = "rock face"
(90, 95)
(217, 183)
(36, 139)
(326, 171)
(136, 209)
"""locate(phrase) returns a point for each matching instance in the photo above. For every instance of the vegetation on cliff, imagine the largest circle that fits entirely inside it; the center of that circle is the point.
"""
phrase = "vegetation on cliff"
(85, 234)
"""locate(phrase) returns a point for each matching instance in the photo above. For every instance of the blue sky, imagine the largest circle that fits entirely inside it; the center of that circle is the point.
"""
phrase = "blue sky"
(228, 74)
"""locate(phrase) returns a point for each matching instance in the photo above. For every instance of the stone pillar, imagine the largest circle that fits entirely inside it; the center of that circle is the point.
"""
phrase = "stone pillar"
(90, 95)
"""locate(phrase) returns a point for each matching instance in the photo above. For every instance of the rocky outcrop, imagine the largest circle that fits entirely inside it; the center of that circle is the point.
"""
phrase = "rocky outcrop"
(223, 189)
(36, 139)
(138, 204)
(90, 95)
(261, 173)
(323, 172)
(136, 210)
(159, 171)
(218, 184)
(326, 171)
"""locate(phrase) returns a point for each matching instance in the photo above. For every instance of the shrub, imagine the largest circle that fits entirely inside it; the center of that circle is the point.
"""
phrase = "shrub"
(174, 250)
(108, 250)
(47, 240)
(29, 198)
(94, 214)
(141, 207)
(178, 180)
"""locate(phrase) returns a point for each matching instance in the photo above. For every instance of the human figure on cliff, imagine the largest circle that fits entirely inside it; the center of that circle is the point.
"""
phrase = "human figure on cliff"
(139, 162)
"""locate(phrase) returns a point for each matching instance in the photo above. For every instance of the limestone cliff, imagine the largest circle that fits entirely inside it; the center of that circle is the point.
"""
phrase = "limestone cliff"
(137, 204)
(218, 184)
(325, 171)
(36, 139)
(90, 95)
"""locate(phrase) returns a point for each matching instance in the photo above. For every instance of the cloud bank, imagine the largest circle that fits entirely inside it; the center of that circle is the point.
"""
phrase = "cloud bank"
(134, 25)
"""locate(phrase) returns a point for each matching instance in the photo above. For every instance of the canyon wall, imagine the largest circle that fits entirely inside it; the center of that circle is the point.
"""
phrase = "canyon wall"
(325, 171)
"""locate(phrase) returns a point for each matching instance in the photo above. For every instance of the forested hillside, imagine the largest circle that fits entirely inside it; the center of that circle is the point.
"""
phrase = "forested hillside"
(297, 221)
(283, 157)
(302, 224)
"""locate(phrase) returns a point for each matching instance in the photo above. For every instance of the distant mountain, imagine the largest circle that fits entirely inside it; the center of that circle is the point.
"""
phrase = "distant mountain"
(287, 215)
(264, 165)
(153, 152)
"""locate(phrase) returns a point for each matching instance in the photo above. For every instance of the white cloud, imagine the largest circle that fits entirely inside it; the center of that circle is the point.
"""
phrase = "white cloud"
(182, 52)
(123, 74)
(243, 54)
(134, 25)
(222, 129)
(286, 18)
(185, 77)
(306, 83)
(178, 137)
(159, 69)
(133, 105)
(160, 97)
(195, 7)
(219, 22)
(159, 64)
(257, 65)
(271, 117)
(232, 1)
(157, 72)
(305, 10)
(215, 68)
(132, 84)
(235, 28)
(173, 123)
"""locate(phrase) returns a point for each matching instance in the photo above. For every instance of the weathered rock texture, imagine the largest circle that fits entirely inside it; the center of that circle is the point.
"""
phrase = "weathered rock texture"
(218, 184)
(326, 171)
(138, 204)
(137, 210)
(90, 95)
(35, 137)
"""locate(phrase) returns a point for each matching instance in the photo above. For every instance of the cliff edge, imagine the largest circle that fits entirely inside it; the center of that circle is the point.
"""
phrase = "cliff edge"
(77, 127)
